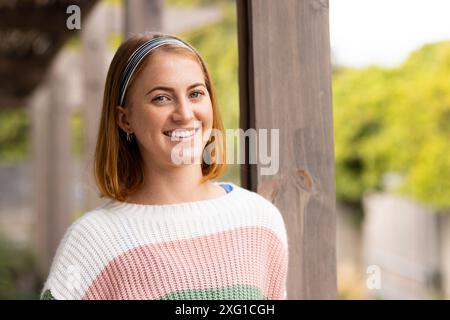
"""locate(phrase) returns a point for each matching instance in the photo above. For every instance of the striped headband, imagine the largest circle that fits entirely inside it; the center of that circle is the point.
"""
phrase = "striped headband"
(138, 55)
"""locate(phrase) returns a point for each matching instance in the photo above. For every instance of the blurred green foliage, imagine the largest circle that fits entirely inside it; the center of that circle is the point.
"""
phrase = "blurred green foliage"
(14, 131)
(18, 279)
(76, 125)
(395, 121)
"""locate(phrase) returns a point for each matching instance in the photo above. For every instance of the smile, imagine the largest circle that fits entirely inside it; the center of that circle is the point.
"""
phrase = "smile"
(181, 134)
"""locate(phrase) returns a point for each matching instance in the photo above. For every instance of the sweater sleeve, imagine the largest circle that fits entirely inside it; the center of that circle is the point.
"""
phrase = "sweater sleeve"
(286, 255)
(280, 252)
(286, 248)
(69, 276)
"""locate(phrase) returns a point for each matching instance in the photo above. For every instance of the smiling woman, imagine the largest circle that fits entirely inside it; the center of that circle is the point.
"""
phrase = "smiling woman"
(167, 231)
(164, 86)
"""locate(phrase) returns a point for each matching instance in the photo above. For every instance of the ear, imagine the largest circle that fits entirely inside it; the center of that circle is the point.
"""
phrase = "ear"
(123, 119)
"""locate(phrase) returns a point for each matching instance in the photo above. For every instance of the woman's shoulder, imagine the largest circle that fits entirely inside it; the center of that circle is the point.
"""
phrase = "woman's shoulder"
(86, 232)
(74, 258)
(88, 221)
(87, 245)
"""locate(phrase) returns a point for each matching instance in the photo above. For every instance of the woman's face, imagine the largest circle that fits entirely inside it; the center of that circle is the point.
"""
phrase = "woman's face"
(169, 110)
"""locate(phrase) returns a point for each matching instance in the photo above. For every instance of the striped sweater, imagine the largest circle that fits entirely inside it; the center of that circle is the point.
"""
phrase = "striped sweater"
(230, 247)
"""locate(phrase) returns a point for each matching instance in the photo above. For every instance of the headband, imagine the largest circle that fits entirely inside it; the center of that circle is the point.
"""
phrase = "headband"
(138, 56)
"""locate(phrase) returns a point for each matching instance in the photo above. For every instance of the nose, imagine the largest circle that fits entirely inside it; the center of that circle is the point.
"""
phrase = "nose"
(183, 112)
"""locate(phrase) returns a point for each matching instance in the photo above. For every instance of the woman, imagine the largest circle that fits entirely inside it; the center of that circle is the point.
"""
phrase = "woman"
(167, 231)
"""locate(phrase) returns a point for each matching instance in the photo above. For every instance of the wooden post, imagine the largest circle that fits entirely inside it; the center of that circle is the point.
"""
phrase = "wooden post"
(52, 179)
(142, 15)
(285, 83)
(94, 55)
(39, 108)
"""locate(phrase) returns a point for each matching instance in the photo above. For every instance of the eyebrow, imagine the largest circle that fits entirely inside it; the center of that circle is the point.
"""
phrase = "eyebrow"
(172, 89)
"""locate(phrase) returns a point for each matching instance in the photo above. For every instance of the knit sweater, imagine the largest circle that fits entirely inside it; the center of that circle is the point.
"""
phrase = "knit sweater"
(230, 247)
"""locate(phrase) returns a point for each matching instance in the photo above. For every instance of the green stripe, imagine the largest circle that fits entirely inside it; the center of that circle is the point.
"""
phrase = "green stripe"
(47, 295)
(233, 292)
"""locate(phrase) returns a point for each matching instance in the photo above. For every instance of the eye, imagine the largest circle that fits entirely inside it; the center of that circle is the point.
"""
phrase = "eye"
(159, 99)
(200, 93)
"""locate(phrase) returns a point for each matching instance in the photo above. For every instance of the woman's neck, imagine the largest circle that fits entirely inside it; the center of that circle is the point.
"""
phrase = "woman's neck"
(174, 185)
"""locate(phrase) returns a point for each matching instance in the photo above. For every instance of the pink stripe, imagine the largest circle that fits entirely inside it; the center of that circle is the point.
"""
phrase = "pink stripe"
(212, 261)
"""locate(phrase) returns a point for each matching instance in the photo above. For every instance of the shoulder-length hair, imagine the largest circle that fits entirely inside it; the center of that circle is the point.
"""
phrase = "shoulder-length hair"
(118, 167)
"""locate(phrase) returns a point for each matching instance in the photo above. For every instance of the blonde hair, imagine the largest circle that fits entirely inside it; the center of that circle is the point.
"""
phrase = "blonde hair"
(118, 167)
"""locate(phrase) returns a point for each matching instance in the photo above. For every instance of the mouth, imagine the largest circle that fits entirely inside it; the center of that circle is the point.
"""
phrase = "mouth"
(181, 134)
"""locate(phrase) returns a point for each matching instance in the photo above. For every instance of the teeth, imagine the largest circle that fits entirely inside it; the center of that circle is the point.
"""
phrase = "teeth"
(180, 134)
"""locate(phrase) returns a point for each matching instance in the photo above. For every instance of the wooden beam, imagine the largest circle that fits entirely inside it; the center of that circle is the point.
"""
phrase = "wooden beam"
(50, 16)
(51, 140)
(31, 68)
(12, 103)
(23, 25)
(95, 60)
(35, 20)
(246, 94)
(142, 15)
(39, 109)
(20, 87)
(285, 83)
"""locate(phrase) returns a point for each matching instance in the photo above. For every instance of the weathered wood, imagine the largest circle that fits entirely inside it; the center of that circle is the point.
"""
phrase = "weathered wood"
(32, 34)
(143, 15)
(51, 140)
(10, 103)
(95, 60)
(39, 108)
(48, 16)
(32, 69)
(246, 95)
(285, 83)
(36, 19)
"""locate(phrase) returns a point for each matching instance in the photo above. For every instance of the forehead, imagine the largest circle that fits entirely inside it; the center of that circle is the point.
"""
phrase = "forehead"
(171, 69)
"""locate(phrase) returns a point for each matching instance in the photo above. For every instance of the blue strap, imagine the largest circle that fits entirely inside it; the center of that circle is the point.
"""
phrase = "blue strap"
(227, 187)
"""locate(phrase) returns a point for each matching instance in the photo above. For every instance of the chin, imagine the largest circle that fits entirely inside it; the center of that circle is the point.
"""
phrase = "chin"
(185, 156)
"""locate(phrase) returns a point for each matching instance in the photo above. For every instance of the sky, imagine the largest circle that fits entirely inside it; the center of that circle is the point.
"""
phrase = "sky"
(384, 32)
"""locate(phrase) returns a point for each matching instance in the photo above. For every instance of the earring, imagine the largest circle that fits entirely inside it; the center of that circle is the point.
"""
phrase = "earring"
(129, 136)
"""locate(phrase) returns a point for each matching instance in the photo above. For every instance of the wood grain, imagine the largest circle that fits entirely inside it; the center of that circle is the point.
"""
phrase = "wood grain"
(285, 83)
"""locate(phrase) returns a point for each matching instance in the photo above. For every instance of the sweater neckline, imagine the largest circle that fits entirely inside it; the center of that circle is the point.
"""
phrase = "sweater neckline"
(115, 204)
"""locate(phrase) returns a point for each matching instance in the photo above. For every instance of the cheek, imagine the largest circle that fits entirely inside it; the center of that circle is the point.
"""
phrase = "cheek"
(148, 122)
(206, 116)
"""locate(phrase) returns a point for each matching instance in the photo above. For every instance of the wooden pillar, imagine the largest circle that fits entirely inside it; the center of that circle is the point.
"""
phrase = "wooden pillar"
(142, 15)
(52, 166)
(95, 61)
(285, 83)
